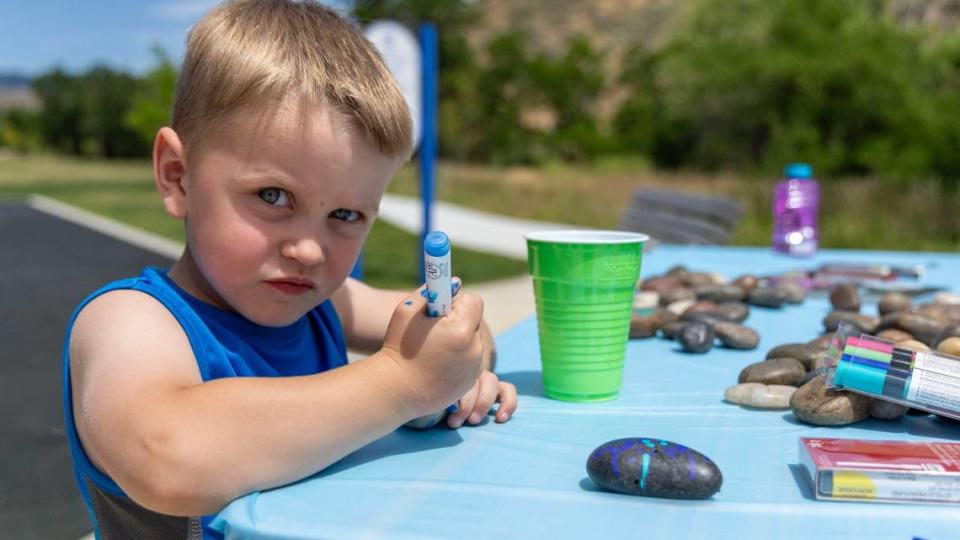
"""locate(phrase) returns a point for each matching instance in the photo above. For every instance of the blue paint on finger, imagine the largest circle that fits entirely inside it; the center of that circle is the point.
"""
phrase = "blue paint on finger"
(408, 303)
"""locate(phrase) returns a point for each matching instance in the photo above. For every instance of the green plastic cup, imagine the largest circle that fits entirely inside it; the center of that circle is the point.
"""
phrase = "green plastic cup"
(583, 283)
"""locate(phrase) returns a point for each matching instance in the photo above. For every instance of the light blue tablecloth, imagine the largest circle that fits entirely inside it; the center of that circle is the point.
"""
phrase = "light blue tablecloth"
(527, 479)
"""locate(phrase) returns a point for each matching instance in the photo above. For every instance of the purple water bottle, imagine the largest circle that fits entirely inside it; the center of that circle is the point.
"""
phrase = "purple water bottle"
(796, 200)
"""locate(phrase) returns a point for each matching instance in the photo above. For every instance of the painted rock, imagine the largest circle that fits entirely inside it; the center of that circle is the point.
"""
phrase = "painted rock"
(736, 336)
(696, 337)
(893, 302)
(785, 371)
(761, 396)
(807, 354)
(816, 404)
(653, 468)
(845, 297)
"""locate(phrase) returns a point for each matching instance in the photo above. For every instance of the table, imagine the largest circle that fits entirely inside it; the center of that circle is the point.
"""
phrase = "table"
(527, 478)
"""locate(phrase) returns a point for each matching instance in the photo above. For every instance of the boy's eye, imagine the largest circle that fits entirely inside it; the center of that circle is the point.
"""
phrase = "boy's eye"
(345, 215)
(274, 196)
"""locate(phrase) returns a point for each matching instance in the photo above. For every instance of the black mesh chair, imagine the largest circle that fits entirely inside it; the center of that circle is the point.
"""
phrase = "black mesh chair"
(672, 217)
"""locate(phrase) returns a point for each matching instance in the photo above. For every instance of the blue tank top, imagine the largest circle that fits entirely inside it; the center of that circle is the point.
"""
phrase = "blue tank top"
(224, 345)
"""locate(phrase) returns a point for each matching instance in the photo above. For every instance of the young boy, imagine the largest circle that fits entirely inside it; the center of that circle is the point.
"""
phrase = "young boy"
(187, 388)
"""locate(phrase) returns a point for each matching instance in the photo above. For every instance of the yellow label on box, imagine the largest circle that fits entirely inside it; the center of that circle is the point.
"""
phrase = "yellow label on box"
(854, 485)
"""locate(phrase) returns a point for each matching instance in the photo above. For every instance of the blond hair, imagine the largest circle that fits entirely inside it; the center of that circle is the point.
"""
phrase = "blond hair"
(249, 53)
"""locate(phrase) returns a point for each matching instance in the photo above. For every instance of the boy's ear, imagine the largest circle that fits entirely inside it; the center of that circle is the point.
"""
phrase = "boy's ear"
(169, 171)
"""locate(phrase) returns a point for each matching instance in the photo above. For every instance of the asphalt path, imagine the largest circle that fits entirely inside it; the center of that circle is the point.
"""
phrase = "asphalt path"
(48, 266)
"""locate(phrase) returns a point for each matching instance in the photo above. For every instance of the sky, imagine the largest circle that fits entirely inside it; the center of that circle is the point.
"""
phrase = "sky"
(39, 35)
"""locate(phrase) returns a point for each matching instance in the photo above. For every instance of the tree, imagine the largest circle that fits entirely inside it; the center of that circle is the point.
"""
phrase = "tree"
(152, 101)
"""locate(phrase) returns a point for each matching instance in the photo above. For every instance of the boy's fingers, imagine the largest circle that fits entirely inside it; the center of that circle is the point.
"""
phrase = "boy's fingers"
(508, 401)
(486, 396)
(417, 299)
(466, 403)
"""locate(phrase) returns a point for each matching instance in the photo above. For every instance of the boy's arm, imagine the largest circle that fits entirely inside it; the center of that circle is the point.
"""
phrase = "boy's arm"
(180, 446)
(365, 313)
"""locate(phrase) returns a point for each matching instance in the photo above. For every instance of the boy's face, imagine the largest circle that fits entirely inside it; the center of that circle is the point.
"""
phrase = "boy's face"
(278, 206)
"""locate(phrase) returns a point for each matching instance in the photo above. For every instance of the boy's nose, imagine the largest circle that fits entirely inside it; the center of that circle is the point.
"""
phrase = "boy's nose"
(306, 251)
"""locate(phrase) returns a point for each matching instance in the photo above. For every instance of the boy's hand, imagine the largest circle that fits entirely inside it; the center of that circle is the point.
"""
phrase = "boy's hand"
(475, 404)
(439, 357)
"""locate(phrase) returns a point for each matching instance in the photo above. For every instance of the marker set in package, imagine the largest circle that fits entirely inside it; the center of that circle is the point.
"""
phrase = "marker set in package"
(927, 380)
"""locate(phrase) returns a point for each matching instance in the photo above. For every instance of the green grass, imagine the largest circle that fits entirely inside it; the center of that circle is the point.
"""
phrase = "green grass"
(855, 213)
(124, 191)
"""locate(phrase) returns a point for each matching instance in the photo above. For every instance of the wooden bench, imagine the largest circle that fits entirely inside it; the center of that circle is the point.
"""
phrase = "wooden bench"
(673, 217)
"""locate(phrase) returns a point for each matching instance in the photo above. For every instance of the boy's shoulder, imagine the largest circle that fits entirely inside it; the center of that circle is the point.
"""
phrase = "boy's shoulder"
(125, 323)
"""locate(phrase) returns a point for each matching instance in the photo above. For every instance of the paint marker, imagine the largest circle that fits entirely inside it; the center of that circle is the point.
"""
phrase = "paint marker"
(436, 263)
(436, 267)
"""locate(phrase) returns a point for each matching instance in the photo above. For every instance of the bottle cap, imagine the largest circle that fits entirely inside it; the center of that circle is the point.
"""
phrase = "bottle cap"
(800, 171)
(436, 244)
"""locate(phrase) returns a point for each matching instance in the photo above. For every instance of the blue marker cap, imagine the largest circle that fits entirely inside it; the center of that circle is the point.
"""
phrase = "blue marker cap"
(436, 244)
(800, 171)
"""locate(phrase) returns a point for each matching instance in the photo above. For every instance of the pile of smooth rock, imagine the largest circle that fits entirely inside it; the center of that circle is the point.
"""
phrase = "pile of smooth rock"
(791, 376)
(699, 309)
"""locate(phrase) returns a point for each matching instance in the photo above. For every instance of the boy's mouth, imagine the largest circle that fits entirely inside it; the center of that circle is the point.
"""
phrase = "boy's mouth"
(291, 285)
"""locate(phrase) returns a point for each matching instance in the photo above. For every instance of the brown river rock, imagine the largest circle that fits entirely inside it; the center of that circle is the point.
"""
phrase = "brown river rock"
(767, 297)
(886, 410)
(923, 328)
(669, 296)
(733, 311)
(894, 335)
(951, 346)
(806, 354)
(645, 326)
(845, 297)
(865, 323)
(671, 330)
(747, 282)
(783, 371)
(893, 302)
(821, 342)
(736, 336)
(660, 284)
(720, 293)
(795, 293)
(951, 330)
(816, 404)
